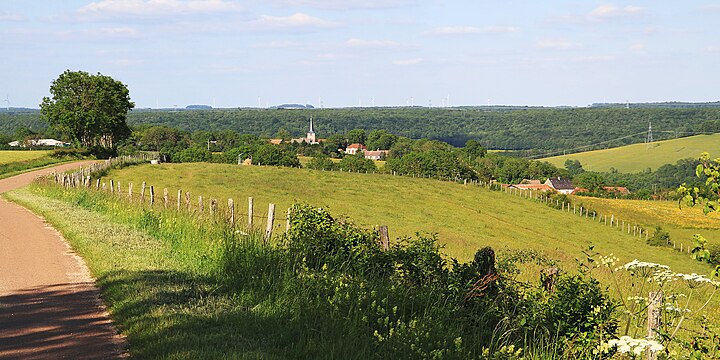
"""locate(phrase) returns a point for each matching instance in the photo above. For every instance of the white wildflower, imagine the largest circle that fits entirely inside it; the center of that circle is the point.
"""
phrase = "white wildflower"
(627, 345)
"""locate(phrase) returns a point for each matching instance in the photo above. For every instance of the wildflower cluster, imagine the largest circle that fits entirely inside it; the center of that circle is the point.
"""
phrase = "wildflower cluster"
(628, 345)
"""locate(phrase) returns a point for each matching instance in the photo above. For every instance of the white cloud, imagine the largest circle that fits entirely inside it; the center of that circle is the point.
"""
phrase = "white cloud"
(557, 44)
(612, 11)
(638, 46)
(9, 16)
(378, 44)
(414, 61)
(347, 4)
(105, 9)
(298, 20)
(462, 30)
(593, 58)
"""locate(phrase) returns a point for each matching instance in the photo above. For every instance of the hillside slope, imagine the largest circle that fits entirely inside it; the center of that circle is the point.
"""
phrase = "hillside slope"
(638, 157)
(464, 217)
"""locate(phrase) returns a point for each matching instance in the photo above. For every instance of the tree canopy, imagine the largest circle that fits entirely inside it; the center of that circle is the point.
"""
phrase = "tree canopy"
(91, 110)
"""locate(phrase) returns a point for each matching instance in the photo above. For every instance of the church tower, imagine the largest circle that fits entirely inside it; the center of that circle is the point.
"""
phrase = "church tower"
(311, 134)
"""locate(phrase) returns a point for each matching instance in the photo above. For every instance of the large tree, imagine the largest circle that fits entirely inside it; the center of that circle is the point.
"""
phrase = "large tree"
(89, 109)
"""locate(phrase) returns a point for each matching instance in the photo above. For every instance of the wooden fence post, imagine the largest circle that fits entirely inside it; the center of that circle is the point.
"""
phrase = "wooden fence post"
(213, 206)
(187, 200)
(118, 189)
(142, 192)
(250, 213)
(165, 197)
(270, 221)
(231, 207)
(179, 199)
(97, 184)
(653, 319)
(130, 191)
(112, 186)
(200, 204)
(152, 195)
(287, 220)
(384, 238)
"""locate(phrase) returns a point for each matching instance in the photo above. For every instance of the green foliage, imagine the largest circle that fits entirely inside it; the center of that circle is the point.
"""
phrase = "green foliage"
(659, 238)
(90, 109)
(380, 140)
(193, 154)
(574, 167)
(320, 163)
(356, 163)
(267, 154)
(432, 163)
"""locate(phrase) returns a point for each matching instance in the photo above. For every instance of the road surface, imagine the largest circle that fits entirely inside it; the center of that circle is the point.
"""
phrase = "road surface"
(49, 305)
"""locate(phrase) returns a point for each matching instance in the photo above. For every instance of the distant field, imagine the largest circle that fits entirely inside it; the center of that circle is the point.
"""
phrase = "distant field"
(10, 156)
(465, 217)
(681, 223)
(638, 157)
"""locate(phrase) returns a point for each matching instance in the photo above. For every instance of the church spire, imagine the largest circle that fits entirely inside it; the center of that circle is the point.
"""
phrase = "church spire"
(311, 124)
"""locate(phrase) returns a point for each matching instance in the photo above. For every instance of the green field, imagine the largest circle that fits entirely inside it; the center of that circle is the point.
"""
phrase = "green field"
(681, 223)
(638, 157)
(305, 159)
(11, 156)
(465, 217)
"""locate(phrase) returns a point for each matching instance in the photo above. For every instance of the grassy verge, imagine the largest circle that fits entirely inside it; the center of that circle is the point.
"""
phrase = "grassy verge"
(9, 156)
(25, 162)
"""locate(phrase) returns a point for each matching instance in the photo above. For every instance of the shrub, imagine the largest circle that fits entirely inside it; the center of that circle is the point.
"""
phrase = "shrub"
(320, 163)
(659, 238)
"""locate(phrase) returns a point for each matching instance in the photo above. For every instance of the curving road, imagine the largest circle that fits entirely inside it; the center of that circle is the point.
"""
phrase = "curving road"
(49, 305)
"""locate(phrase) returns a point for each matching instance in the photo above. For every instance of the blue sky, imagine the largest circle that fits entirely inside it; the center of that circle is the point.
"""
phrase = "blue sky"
(351, 52)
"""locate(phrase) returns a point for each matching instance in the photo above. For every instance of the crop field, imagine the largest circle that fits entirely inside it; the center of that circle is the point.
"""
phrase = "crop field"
(681, 223)
(11, 156)
(638, 157)
(465, 217)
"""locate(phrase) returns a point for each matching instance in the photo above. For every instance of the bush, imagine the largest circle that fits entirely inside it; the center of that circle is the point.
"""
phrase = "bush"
(356, 163)
(193, 154)
(659, 238)
(320, 163)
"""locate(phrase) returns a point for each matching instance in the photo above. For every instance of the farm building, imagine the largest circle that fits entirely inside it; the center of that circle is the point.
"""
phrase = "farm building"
(376, 155)
(352, 149)
(533, 187)
(562, 186)
(40, 142)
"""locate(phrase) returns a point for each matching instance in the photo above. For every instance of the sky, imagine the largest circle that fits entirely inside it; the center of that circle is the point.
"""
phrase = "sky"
(340, 53)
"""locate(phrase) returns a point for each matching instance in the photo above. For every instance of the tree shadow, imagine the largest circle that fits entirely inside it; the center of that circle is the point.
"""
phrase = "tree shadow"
(56, 321)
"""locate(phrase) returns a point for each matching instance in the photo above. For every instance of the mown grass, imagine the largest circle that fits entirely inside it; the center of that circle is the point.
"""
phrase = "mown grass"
(380, 164)
(10, 156)
(465, 217)
(638, 157)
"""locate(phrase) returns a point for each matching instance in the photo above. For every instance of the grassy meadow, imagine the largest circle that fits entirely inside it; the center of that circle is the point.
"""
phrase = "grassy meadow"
(11, 156)
(638, 157)
(306, 159)
(681, 223)
(465, 217)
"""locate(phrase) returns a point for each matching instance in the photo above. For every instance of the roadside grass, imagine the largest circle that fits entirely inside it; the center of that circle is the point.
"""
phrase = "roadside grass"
(14, 162)
(465, 217)
(681, 223)
(159, 275)
(10, 156)
(638, 157)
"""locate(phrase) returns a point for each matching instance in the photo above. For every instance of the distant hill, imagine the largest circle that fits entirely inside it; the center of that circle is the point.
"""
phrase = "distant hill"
(638, 157)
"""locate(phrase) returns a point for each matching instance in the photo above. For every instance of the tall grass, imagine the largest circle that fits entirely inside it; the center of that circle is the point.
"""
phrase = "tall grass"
(186, 286)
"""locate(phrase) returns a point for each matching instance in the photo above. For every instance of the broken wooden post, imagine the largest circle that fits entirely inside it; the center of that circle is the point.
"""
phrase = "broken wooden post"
(213, 206)
(655, 301)
(270, 221)
(547, 277)
(384, 238)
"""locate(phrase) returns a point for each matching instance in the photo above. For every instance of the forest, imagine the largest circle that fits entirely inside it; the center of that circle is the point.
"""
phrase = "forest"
(531, 130)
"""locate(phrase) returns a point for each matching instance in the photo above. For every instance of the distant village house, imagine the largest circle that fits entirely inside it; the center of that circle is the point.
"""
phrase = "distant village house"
(39, 142)
(562, 186)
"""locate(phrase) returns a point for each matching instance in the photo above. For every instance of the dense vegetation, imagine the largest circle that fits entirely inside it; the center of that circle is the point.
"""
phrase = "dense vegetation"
(496, 128)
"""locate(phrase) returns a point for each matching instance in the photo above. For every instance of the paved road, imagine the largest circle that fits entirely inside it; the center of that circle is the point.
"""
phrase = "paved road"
(49, 305)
